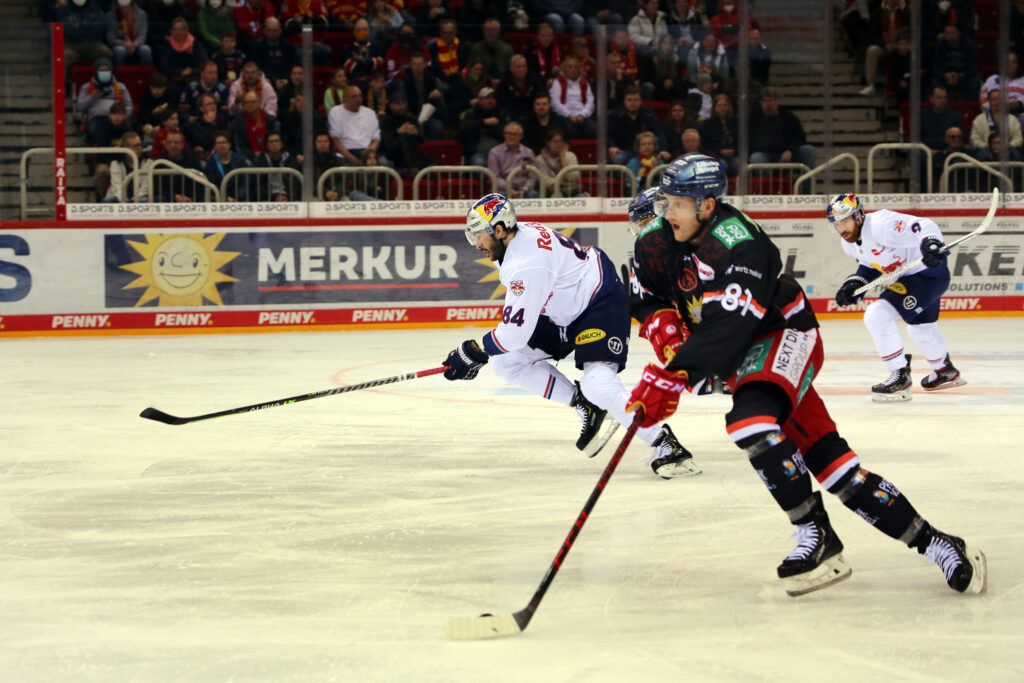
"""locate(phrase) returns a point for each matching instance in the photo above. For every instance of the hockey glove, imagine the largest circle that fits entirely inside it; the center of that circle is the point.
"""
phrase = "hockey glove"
(657, 394)
(933, 252)
(465, 362)
(666, 332)
(845, 296)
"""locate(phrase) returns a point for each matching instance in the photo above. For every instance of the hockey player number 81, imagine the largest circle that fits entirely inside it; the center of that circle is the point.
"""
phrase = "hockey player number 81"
(735, 296)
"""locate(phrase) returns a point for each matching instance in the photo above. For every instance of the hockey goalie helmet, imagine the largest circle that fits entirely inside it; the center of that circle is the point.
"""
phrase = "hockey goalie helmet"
(843, 206)
(641, 207)
(486, 213)
(692, 175)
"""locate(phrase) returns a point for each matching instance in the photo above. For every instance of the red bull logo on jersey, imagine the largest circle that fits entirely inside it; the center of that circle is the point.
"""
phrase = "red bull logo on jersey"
(899, 226)
(517, 287)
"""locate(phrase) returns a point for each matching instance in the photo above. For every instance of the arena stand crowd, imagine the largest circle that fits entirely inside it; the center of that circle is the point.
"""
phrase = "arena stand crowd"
(960, 78)
(213, 86)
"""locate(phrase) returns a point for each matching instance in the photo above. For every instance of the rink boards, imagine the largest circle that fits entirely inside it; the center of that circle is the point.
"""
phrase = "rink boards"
(146, 268)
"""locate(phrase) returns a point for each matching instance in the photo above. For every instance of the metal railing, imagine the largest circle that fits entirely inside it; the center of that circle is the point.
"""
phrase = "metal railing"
(812, 174)
(774, 178)
(899, 145)
(616, 179)
(654, 177)
(542, 185)
(453, 182)
(360, 184)
(188, 186)
(962, 163)
(262, 184)
(70, 151)
(165, 168)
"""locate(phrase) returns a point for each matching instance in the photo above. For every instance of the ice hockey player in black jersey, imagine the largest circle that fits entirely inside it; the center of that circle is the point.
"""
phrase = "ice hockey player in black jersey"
(751, 323)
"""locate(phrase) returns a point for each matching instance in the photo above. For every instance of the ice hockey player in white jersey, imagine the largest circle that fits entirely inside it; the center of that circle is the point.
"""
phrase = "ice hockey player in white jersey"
(561, 298)
(880, 242)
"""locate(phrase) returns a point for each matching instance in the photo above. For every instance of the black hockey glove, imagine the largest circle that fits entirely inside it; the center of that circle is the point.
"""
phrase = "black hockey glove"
(465, 362)
(933, 252)
(845, 296)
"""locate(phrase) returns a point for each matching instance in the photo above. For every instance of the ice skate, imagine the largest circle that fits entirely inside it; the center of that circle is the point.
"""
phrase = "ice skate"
(590, 441)
(965, 567)
(946, 377)
(896, 387)
(817, 560)
(669, 459)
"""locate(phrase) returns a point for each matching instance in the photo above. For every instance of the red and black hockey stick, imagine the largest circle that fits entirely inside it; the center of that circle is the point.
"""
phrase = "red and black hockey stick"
(495, 626)
(161, 416)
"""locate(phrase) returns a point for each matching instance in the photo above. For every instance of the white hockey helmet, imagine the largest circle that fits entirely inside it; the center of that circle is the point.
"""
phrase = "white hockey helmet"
(843, 206)
(486, 213)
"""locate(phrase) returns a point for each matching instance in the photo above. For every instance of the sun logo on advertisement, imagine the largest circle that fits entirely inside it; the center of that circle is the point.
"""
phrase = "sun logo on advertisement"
(180, 270)
(499, 291)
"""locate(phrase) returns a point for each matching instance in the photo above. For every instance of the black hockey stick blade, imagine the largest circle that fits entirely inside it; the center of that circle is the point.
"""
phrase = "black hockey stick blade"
(161, 416)
(488, 626)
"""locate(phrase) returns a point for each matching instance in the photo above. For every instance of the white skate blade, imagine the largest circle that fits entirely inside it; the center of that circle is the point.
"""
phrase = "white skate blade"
(833, 570)
(892, 398)
(600, 439)
(482, 627)
(979, 579)
(958, 382)
(683, 468)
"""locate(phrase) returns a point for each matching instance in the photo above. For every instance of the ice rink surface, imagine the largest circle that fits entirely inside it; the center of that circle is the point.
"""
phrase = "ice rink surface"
(332, 539)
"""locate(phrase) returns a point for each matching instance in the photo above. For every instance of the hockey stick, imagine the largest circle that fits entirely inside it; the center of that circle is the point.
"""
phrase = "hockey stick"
(495, 626)
(161, 416)
(888, 278)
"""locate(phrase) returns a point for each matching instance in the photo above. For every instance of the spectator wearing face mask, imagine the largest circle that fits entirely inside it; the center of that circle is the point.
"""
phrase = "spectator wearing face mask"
(127, 28)
(362, 57)
(101, 92)
(214, 21)
(85, 27)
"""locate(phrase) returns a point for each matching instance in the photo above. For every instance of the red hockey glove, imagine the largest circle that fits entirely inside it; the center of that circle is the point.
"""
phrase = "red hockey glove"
(657, 394)
(666, 332)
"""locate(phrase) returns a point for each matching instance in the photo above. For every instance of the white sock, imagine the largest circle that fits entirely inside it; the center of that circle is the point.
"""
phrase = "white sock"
(602, 387)
(529, 369)
(880, 319)
(932, 343)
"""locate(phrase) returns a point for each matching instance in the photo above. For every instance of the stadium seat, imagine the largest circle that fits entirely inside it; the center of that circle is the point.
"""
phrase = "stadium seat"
(80, 75)
(987, 42)
(337, 42)
(770, 185)
(321, 81)
(659, 108)
(520, 42)
(447, 152)
(585, 150)
(450, 188)
(987, 12)
(614, 187)
(135, 79)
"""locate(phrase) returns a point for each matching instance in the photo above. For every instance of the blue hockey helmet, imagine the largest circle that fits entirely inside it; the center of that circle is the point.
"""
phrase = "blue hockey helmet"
(642, 207)
(486, 213)
(844, 205)
(694, 175)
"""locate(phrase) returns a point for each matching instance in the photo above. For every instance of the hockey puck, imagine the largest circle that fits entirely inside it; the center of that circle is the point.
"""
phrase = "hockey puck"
(486, 614)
